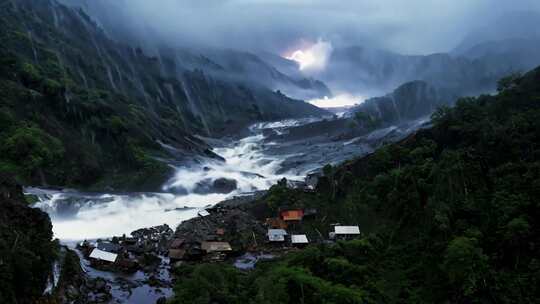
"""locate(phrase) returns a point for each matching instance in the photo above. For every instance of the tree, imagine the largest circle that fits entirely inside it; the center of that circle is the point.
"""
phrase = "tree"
(465, 264)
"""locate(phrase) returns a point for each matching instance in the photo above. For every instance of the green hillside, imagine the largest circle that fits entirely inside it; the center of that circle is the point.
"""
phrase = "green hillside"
(449, 215)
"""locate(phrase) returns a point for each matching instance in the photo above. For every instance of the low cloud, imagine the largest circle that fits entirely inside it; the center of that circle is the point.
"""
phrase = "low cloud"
(419, 27)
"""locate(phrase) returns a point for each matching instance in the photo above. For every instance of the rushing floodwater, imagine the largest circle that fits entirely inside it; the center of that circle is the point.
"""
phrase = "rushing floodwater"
(78, 216)
(253, 162)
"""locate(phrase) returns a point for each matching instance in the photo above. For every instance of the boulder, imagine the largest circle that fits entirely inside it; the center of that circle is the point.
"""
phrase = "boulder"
(224, 185)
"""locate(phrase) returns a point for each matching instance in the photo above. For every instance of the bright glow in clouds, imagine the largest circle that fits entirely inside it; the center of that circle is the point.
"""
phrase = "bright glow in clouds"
(340, 100)
(314, 57)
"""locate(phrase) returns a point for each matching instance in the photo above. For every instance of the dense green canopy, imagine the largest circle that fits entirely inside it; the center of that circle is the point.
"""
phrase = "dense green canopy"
(449, 215)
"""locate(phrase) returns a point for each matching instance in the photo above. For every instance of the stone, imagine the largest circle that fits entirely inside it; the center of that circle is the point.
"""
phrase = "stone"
(224, 185)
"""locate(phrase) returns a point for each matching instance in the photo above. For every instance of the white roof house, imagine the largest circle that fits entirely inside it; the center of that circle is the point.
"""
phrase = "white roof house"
(346, 230)
(103, 255)
(276, 235)
(299, 239)
(203, 213)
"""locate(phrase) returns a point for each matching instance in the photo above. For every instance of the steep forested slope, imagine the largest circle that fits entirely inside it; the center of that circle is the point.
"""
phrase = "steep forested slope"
(26, 247)
(77, 108)
(449, 215)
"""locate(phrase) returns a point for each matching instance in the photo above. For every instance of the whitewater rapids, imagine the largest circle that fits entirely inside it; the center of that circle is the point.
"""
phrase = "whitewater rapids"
(255, 162)
(79, 216)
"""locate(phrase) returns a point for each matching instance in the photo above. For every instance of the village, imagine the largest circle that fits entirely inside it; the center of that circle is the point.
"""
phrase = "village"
(227, 232)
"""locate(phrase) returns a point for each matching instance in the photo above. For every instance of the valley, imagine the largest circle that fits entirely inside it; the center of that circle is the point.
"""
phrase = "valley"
(268, 152)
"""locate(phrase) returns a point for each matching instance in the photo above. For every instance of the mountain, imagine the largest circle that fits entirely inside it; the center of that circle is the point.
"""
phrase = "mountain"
(502, 46)
(372, 72)
(226, 64)
(409, 101)
(81, 109)
(447, 215)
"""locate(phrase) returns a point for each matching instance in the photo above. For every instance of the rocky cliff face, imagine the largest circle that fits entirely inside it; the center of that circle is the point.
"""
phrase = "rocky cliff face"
(409, 101)
(26, 248)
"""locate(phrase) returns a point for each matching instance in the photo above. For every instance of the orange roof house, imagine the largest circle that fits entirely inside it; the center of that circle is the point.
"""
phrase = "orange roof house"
(292, 215)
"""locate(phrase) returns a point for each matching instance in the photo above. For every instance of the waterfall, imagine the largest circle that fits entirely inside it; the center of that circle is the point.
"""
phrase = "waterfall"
(34, 51)
(109, 74)
(67, 93)
(54, 14)
(119, 73)
(83, 76)
(160, 92)
(395, 106)
(193, 107)
(172, 93)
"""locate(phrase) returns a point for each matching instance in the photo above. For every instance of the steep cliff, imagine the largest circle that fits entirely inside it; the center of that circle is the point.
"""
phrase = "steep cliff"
(26, 247)
(409, 101)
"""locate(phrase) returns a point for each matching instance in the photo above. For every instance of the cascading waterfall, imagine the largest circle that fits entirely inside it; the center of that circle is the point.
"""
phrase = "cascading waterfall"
(395, 106)
(34, 51)
(194, 109)
(170, 88)
(102, 57)
(54, 14)
(83, 76)
(110, 76)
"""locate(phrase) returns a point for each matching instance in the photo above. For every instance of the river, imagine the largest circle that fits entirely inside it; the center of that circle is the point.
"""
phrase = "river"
(255, 162)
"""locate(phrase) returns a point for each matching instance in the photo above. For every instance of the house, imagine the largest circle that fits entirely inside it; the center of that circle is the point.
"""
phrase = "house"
(176, 254)
(276, 223)
(292, 215)
(299, 239)
(310, 212)
(101, 255)
(216, 247)
(276, 235)
(344, 232)
(203, 213)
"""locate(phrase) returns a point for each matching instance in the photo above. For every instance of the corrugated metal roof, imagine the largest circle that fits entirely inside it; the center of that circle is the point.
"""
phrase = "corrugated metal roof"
(203, 213)
(103, 255)
(299, 239)
(292, 215)
(276, 238)
(347, 230)
(276, 235)
(277, 232)
(215, 246)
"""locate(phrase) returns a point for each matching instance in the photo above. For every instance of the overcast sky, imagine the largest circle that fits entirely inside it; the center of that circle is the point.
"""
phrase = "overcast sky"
(406, 26)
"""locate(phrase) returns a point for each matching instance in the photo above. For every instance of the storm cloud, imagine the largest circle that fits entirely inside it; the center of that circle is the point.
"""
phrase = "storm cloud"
(281, 26)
